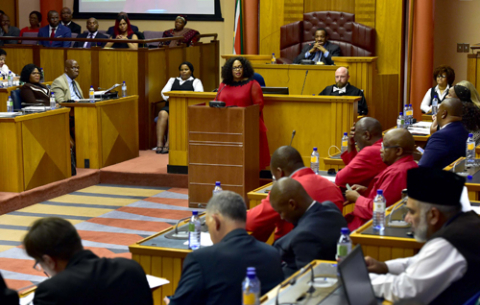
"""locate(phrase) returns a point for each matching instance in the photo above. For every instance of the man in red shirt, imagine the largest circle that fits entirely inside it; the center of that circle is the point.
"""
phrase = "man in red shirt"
(363, 166)
(397, 152)
(286, 161)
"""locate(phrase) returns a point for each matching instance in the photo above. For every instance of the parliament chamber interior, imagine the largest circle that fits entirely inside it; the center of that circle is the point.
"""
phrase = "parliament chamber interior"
(317, 152)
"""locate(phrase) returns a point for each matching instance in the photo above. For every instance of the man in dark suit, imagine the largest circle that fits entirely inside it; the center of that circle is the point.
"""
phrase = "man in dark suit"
(67, 21)
(7, 296)
(55, 30)
(92, 27)
(7, 30)
(214, 275)
(343, 88)
(448, 143)
(78, 276)
(111, 30)
(321, 51)
(317, 226)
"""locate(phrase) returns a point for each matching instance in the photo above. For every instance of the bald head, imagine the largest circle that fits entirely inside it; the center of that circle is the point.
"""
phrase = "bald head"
(367, 131)
(450, 110)
(397, 143)
(341, 77)
(289, 199)
(287, 160)
(71, 68)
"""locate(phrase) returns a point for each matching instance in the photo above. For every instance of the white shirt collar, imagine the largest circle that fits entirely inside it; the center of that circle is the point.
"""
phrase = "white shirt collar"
(50, 29)
(445, 125)
(67, 23)
(311, 205)
(68, 79)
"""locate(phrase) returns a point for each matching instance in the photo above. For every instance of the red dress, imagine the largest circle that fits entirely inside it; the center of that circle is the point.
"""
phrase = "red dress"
(243, 94)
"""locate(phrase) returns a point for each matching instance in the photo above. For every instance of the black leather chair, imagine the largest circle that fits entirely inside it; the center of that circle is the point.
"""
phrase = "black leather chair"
(17, 100)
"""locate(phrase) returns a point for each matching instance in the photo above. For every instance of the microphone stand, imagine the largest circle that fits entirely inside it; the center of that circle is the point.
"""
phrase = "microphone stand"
(293, 135)
(292, 282)
(304, 81)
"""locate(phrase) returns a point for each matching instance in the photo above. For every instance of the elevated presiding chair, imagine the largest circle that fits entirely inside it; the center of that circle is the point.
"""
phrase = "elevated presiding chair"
(353, 38)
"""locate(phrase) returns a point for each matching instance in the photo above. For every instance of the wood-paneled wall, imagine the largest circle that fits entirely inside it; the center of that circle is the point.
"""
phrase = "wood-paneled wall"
(145, 72)
(330, 5)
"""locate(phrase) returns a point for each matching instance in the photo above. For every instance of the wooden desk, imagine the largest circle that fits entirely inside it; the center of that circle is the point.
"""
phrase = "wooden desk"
(335, 163)
(282, 115)
(427, 117)
(385, 248)
(4, 94)
(106, 132)
(34, 150)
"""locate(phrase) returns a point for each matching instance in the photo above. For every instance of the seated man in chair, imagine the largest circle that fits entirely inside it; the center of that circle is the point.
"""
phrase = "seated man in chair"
(321, 51)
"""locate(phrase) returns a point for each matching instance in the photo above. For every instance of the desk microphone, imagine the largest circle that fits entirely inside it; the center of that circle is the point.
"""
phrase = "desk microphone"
(294, 280)
(304, 80)
(293, 135)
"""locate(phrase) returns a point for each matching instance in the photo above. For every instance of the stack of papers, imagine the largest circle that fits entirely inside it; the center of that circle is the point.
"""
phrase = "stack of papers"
(36, 108)
(205, 240)
(420, 128)
(9, 114)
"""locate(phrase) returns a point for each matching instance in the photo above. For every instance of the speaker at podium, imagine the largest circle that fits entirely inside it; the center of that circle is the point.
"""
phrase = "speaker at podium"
(223, 145)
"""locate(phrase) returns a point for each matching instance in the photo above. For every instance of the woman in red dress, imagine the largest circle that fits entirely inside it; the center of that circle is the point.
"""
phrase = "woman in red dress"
(238, 88)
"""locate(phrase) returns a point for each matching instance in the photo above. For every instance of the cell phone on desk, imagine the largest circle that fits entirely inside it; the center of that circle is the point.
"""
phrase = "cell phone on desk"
(421, 150)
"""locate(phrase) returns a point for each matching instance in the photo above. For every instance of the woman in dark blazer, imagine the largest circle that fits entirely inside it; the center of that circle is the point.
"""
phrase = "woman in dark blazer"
(32, 92)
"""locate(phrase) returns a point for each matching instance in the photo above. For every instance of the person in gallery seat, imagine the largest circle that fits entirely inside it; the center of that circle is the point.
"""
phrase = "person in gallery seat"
(321, 51)
(343, 88)
(190, 37)
(446, 269)
(123, 32)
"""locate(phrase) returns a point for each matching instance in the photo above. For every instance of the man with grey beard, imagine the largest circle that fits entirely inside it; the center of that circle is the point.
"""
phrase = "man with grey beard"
(446, 269)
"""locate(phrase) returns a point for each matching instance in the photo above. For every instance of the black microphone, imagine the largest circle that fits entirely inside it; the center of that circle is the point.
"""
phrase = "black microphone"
(293, 135)
(294, 280)
(218, 92)
(306, 73)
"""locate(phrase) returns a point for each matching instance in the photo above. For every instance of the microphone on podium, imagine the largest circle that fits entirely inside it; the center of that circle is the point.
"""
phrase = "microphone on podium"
(304, 80)
(293, 135)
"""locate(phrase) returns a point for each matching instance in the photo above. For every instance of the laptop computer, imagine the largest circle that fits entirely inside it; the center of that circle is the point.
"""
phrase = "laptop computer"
(356, 282)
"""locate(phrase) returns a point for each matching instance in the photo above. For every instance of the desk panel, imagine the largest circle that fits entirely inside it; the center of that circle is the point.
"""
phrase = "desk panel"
(4, 94)
(52, 61)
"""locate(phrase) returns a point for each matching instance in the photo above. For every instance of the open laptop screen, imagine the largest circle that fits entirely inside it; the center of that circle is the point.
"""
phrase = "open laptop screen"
(356, 282)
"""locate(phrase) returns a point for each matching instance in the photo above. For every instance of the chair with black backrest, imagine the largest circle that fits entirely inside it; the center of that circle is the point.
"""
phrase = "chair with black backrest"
(17, 100)
(140, 37)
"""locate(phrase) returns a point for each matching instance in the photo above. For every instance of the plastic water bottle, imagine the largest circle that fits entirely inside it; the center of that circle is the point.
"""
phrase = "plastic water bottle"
(314, 161)
(9, 104)
(194, 229)
(344, 245)
(410, 114)
(406, 118)
(53, 104)
(379, 212)
(217, 189)
(42, 76)
(470, 151)
(124, 89)
(401, 121)
(344, 142)
(10, 79)
(251, 288)
(435, 105)
(91, 93)
(273, 60)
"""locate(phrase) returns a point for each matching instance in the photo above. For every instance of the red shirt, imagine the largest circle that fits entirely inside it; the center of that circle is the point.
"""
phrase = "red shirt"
(392, 181)
(245, 94)
(361, 167)
(263, 219)
(28, 30)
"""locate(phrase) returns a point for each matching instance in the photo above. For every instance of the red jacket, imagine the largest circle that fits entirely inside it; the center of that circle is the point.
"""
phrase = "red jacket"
(262, 219)
(361, 167)
(392, 181)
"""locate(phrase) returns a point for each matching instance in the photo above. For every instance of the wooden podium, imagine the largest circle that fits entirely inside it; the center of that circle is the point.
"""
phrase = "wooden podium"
(222, 146)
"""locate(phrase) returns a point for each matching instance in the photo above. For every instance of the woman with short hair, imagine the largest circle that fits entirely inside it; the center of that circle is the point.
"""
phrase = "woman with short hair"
(33, 92)
(444, 76)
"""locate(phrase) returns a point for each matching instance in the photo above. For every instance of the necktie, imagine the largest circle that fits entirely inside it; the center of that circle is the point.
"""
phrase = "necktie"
(88, 42)
(52, 35)
(76, 89)
(340, 90)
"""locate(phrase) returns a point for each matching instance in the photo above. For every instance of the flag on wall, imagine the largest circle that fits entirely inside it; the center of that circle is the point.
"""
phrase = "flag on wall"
(238, 29)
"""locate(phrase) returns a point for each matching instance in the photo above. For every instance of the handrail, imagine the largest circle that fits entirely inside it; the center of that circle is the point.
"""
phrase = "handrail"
(214, 35)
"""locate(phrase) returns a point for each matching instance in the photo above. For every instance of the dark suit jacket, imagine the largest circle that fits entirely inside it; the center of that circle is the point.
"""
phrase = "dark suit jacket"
(35, 93)
(75, 28)
(214, 275)
(332, 49)
(314, 237)
(351, 91)
(91, 280)
(79, 44)
(61, 32)
(7, 296)
(111, 31)
(12, 31)
(445, 146)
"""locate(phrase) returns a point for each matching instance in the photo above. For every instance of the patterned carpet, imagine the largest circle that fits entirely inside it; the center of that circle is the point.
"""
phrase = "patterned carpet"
(108, 218)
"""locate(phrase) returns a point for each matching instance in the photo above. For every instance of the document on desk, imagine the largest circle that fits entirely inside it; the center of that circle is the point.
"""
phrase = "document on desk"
(205, 240)
(28, 299)
(155, 282)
